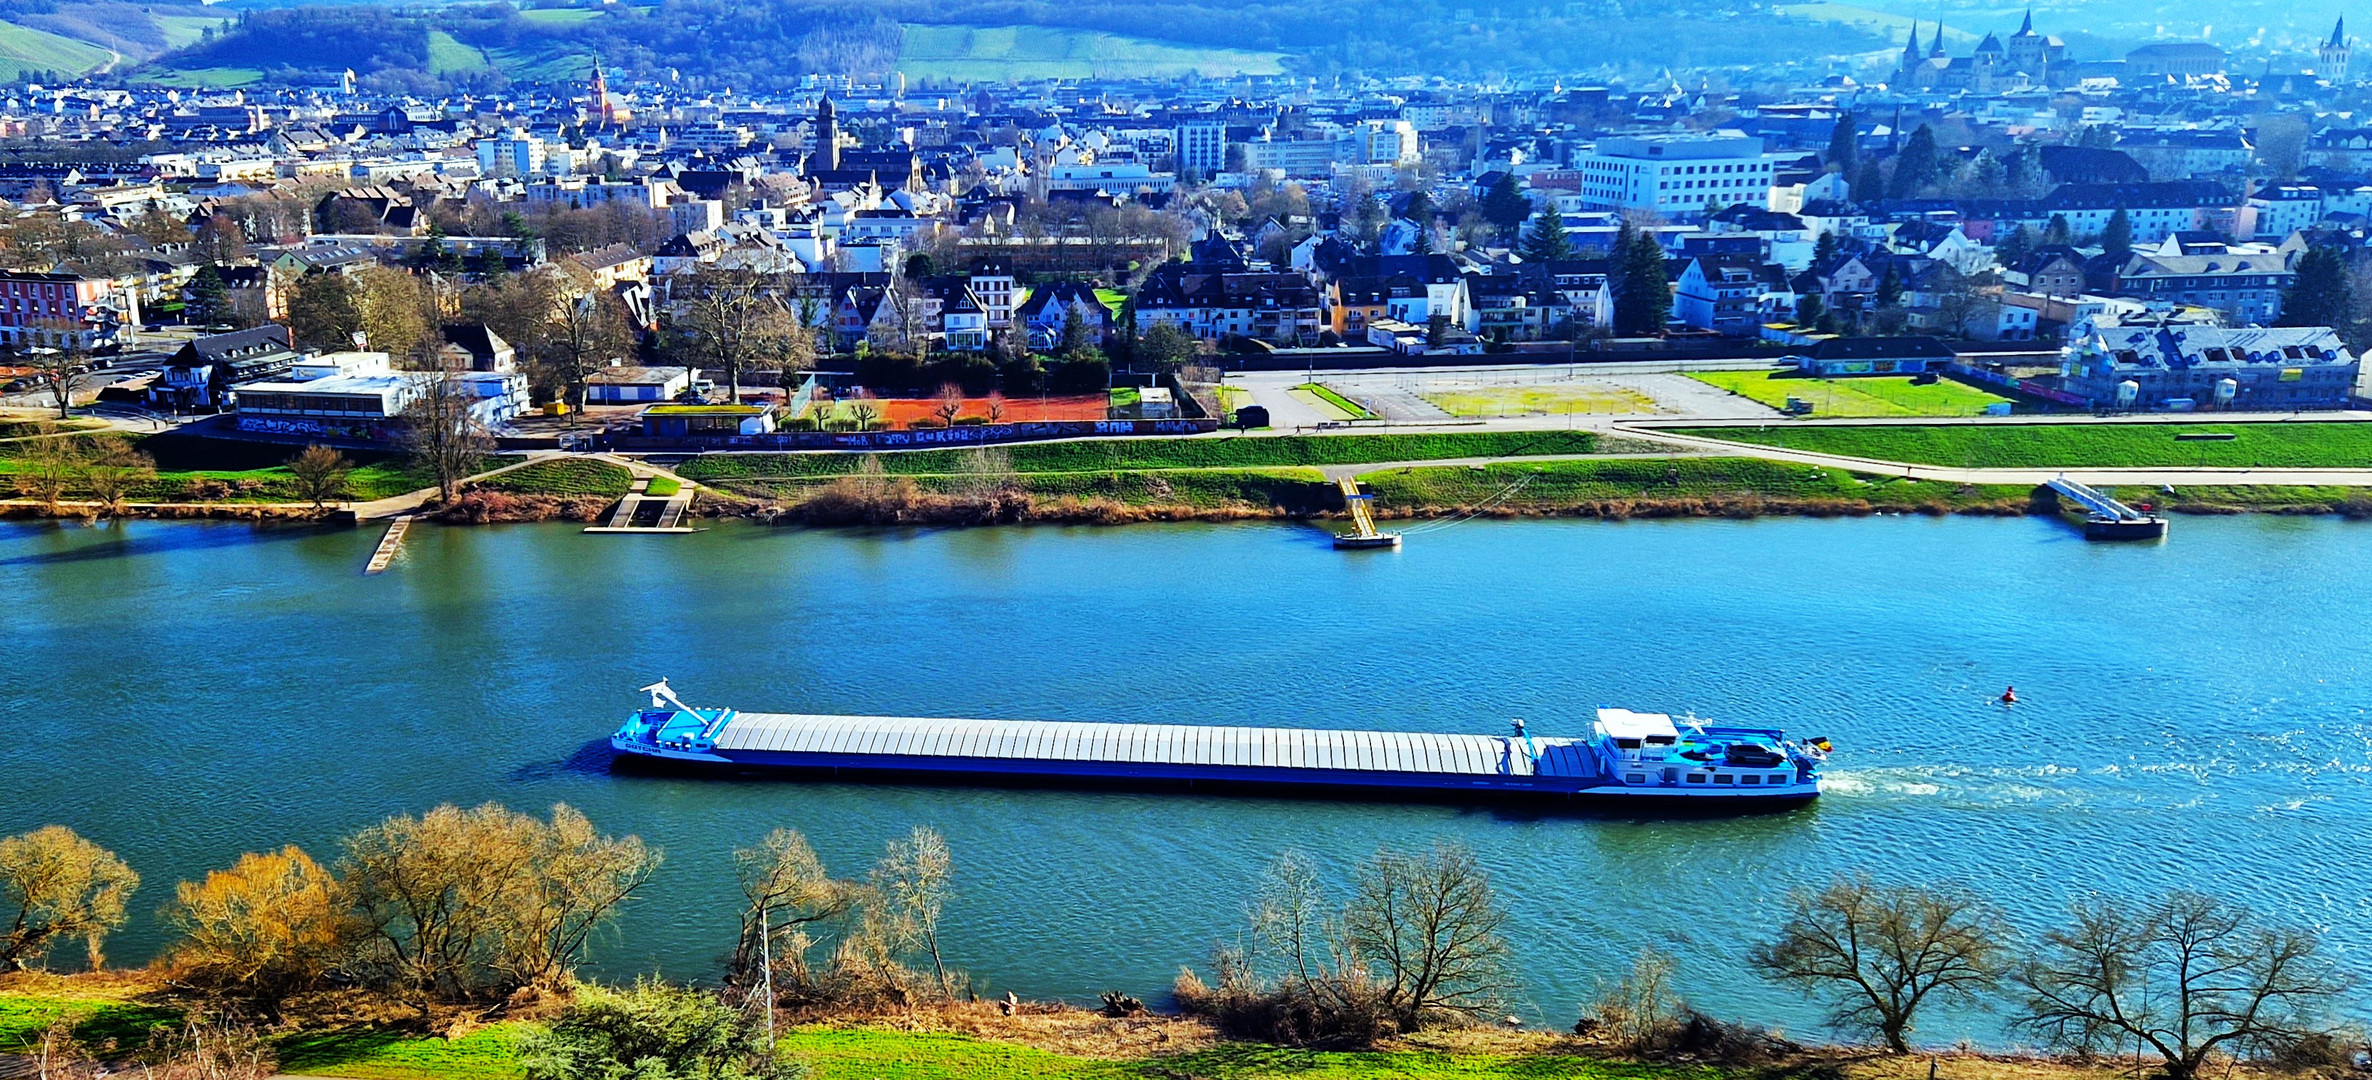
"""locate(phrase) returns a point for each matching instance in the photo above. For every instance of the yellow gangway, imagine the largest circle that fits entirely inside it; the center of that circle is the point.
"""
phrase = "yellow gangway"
(1363, 533)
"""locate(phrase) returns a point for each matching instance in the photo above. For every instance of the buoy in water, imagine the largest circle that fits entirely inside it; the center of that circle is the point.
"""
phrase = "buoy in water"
(2009, 696)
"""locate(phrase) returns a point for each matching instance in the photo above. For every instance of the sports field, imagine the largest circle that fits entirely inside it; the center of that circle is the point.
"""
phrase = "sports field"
(1555, 399)
(1870, 395)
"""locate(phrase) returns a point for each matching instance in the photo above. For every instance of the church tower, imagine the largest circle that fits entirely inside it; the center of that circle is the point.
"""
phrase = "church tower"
(600, 95)
(1903, 72)
(827, 137)
(2333, 53)
(1937, 53)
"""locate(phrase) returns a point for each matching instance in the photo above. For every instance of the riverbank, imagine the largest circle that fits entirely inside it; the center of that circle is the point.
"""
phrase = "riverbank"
(981, 1041)
(1116, 481)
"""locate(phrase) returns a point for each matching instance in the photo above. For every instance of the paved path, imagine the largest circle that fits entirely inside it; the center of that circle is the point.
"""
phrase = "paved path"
(2162, 476)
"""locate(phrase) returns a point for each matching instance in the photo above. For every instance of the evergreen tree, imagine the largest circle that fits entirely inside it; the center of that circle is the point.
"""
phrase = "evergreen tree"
(2117, 237)
(1890, 287)
(1915, 167)
(1824, 250)
(1545, 240)
(1505, 206)
(1424, 241)
(1844, 149)
(209, 298)
(2056, 233)
(1809, 310)
(2320, 294)
(2014, 250)
(1644, 300)
(1871, 185)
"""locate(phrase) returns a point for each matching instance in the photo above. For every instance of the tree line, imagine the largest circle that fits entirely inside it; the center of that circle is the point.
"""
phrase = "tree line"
(475, 907)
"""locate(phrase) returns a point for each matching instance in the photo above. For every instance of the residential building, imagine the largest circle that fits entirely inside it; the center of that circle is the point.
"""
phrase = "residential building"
(2209, 367)
(1678, 176)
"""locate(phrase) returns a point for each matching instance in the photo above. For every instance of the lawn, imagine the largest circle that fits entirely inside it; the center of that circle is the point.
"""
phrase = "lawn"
(1107, 455)
(193, 469)
(1549, 400)
(564, 476)
(559, 16)
(1126, 397)
(1330, 403)
(663, 487)
(1873, 395)
(2078, 445)
(878, 1054)
(24, 1017)
(489, 1053)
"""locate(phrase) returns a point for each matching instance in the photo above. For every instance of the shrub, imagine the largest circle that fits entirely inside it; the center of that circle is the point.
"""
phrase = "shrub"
(651, 1031)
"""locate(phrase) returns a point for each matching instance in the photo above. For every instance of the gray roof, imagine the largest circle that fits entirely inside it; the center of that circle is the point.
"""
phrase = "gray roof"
(1169, 744)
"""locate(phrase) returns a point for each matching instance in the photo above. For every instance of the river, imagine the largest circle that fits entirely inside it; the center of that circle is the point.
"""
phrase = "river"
(2193, 713)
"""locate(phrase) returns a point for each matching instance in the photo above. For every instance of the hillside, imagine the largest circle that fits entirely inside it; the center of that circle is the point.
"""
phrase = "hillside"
(771, 42)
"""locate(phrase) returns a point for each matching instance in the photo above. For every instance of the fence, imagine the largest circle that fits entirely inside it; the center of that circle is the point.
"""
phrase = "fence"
(962, 435)
(2028, 387)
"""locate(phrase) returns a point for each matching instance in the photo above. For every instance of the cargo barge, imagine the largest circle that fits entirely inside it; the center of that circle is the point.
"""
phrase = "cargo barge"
(1628, 757)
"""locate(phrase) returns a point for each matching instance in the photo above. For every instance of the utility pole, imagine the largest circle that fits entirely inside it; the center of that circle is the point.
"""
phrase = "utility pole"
(766, 960)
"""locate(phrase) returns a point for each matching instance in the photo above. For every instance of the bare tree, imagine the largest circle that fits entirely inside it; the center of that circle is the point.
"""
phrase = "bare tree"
(445, 436)
(996, 407)
(950, 404)
(915, 879)
(320, 474)
(1878, 953)
(736, 322)
(47, 464)
(56, 886)
(114, 469)
(788, 895)
(1430, 927)
(470, 905)
(1643, 1006)
(2187, 976)
(586, 330)
(61, 360)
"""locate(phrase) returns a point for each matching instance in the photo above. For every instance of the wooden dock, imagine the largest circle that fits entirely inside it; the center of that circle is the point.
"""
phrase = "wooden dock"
(389, 544)
(640, 512)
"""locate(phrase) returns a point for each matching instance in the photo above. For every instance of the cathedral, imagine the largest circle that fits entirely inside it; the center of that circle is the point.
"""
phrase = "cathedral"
(2026, 59)
(2333, 54)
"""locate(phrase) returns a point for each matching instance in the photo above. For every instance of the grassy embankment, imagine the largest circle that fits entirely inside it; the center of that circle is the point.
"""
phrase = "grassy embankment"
(1200, 473)
(1871, 396)
(972, 1043)
(1651, 487)
(2302, 445)
(563, 477)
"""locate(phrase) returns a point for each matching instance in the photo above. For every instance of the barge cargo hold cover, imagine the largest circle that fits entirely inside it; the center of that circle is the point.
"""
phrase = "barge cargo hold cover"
(1628, 756)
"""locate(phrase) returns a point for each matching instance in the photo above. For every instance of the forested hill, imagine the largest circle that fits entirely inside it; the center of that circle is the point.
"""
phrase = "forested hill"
(753, 43)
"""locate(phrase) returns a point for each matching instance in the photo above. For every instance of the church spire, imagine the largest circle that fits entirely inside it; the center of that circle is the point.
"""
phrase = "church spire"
(2339, 33)
(1911, 47)
(1938, 49)
(2026, 29)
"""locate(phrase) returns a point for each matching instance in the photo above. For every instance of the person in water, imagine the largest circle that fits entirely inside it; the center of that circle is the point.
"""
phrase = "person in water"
(2009, 696)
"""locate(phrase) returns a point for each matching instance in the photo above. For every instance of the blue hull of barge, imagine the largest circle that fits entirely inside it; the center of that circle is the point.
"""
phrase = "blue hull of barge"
(881, 768)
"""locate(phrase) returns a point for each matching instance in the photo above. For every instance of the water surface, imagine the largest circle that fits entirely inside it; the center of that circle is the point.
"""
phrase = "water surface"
(2193, 713)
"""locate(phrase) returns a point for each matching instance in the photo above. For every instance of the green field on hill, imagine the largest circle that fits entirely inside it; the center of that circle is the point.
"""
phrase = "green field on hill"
(1862, 396)
(1044, 52)
(24, 49)
(2304, 445)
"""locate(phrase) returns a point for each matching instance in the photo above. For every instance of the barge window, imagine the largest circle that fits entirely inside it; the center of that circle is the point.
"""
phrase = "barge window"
(1627, 744)
(1778, 778)
(1751, 780)
(1696, 778)
(1635, 778)
(1724, 778)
